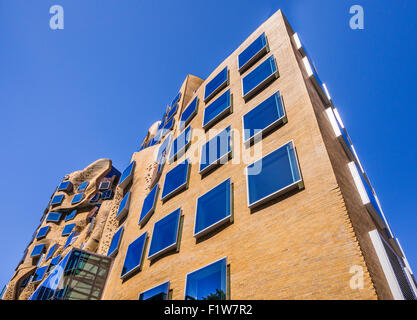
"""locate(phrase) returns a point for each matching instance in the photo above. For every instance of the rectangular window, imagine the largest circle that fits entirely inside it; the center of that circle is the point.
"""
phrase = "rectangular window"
(214, 208)
(53, 263)
(264, 118)
(172, 112)
(68, 229)
(259, 78)
(165, 235)
(115, 242)
(148, 206)
(216, 151)
(340, 134)
(71, 215)
(77, 198)
(216, 84)
(83, 186)
(367, 195)
(217, 110)
(71, 239)
(65, 186)
(106, 195)
(176, 99)
(57, 199)
(134, 256)
(39, 273)
(104, 185)
(53, 217)
(127, 175)
(168, 127)
(256, 50)
(43, 232)
(176, 180)
(274, 174)
(208, 283)
(96, 197)
(180, 145)
(163, 149)
(37, 250)
(123, 207)
(188, 114)
(51, 251)
(156, 293)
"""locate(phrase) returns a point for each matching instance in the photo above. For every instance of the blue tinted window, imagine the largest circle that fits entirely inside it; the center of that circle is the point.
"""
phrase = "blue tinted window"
(127, 174)
(263, 116)
(165, 234)
(115, 242)
(169, 125)
(176, 99)
(216, 150)
(71, 215)
(172, 112)
(53, 263)
(96, 197)
(253, 52)
(213, 208)
(180, 144)
(216, 84)
(123, 207)
(189, 113)
(39, 273)
(148, 206)
(106, 195)
(58, 199)
(134, 256)
(37, 250)
(272, 175)
(42, 232)
(77, 198)
(70, 239)
(157, 293)
(217, 110)
(53, 217)
(260, 75)
(68, 229)
(163, 149)
(82, 186)
(208, 283)
(175, 180)
(51, 251)
(64, 186)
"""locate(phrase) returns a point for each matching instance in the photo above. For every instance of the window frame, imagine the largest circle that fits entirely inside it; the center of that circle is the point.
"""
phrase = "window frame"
(268, 129)
(87, 183)
(219, 88)
(123, 183)
(121, 213)
(227, 111)
(218, 223)
(76, 195)
(40, 253)
(181, 187)
(138, 267)
(59, 219)
(183, 124)
(171, 246)
(61, 196)
(181, 151)
(158, 285)
(256, 57)
(264, 83)
(116, 250)
(146, 217)
(48, 228)
(277, 193)
(72, 229)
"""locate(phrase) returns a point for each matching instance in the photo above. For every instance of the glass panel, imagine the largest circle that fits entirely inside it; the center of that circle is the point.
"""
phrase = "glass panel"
(51, 251)
(106, 194)
(176, 99)
(42, 232)
(165, 233)
(69, 240)
(258, 75)
(163, 149)
(263, 116)
(77, 198)
(115, 242)
(71, 215)
(134, 255)
(172, 112)
(124, 206)
(215, 150)
(127, 173)
(82, 186)
(68, 229)
(219, 81)
(39, 273)
(53, 263)
(53, 217)
(37, 250)
(149, 203)
(278, 170)
(157, 293)
(189, 113)
(252, 50)
(176, 179)
(218, 108)
(208, 283)
(57, 199)
(180, 144)
(213, 207)
(63, 186)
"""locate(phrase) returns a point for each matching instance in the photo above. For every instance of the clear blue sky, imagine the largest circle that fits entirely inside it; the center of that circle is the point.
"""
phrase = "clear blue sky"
(92, 90)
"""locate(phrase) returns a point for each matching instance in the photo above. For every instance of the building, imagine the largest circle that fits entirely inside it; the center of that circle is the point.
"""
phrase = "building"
(248, 188)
